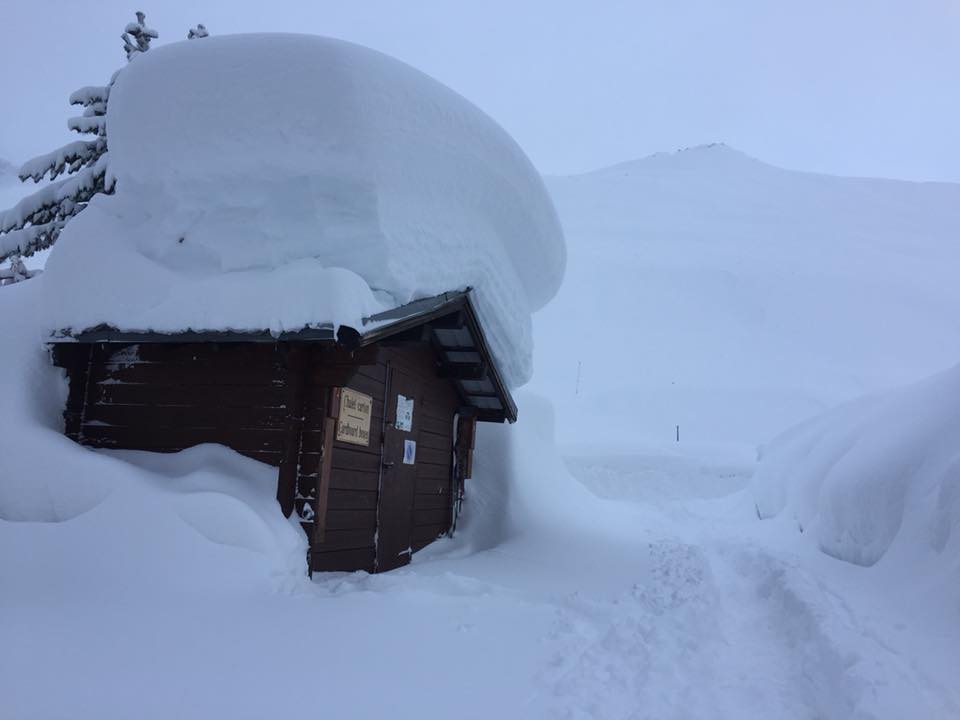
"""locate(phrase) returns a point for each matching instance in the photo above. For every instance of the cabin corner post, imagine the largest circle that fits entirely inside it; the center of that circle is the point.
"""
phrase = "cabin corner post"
(331, 414)
(76, 361)
(294, 360)
(463, 466)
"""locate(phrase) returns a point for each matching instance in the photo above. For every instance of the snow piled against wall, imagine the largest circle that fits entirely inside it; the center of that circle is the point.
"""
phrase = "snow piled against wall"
(521, 483)
(94, 521)
(276, 181)
(874, 479)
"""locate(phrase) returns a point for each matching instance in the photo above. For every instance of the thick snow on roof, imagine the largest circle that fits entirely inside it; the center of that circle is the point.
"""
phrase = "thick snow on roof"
(277, 181)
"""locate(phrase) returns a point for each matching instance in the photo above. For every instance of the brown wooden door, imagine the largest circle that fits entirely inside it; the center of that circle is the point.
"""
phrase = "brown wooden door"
(399, 479)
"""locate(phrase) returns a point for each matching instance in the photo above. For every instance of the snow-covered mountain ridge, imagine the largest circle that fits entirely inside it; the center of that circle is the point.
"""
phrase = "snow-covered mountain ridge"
(710, 290)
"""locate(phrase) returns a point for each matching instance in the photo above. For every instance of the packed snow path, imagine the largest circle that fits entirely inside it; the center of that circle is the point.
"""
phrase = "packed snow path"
(683, 607)
(732, 623)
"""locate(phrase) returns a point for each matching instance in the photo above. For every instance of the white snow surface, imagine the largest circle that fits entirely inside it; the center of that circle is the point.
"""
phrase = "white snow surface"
(874, 480)
(713, 291)
(638, 585)
(163, 586)
(280, 181)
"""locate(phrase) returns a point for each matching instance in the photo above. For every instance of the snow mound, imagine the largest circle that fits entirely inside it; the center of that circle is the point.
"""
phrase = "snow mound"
(875, 477)
(204, 517)
(250, 167)
(521, 483)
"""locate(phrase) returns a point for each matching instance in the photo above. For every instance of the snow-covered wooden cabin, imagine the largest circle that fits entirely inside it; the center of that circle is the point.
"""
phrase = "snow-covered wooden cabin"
(371, 429)
(317, 256)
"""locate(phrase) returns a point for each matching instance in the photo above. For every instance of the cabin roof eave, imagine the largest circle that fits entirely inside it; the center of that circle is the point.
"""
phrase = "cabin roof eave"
(497, 404)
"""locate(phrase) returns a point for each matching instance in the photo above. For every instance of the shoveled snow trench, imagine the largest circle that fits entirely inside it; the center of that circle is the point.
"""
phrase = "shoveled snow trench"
(727, 620)
(730, 631)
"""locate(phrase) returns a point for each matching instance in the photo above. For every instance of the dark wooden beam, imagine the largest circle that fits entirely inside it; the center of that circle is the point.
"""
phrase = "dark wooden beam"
(296, 370)
(453, 321)
(331, 413)
(495, 416)
(414, 335)
(463, 371)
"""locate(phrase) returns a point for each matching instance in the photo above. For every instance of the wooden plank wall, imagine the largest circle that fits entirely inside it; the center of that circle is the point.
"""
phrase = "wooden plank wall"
(437, 406)
(167, 397)
(349, 542)
(433, 501)
(270, 402)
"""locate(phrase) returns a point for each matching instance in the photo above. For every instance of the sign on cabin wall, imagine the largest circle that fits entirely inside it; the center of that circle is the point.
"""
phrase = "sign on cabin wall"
(409, 452)
(353, 425)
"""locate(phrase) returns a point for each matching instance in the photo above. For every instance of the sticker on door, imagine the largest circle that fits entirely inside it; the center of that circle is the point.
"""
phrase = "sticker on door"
(409, 452)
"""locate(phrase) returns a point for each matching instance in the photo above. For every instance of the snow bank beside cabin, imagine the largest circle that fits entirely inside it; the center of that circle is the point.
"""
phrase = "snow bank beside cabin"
(521, 484)
(260, 178)
(876, 479)
(110, 525)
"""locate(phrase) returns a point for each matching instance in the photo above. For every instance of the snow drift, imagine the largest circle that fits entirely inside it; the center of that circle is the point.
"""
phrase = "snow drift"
(203, 518)
(277, 181)
(875, 477)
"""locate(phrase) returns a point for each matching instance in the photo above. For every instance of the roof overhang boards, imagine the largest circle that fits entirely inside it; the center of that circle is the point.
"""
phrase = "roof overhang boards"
(447, 321)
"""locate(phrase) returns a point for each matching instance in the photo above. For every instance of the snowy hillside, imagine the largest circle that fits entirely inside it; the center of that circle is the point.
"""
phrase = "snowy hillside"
(709, 290)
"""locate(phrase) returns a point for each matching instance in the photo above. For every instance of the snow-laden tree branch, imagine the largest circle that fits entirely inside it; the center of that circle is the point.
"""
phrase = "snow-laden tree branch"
(137, 36)
(35, 222)
(69, 158)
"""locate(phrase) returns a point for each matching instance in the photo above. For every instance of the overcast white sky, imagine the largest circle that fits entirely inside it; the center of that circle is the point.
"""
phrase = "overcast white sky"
(858, 87)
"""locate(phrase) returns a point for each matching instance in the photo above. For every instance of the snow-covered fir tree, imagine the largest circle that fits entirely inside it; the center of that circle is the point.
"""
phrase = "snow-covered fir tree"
(198, 32)
(137, 36)
(15, 273)
(35, 222)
